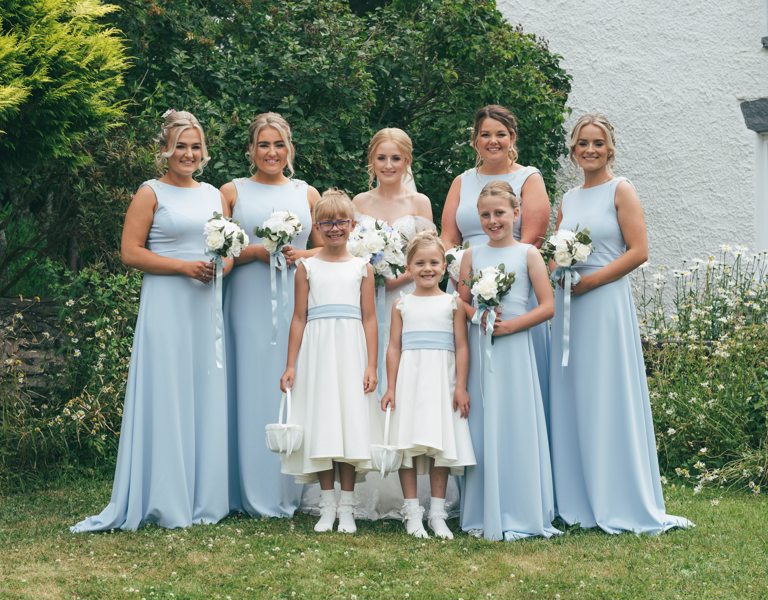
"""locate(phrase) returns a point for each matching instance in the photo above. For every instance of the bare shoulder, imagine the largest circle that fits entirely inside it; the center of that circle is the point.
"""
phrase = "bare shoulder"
(312, 194)
(362, 199)
(144, 197)
(626, 194)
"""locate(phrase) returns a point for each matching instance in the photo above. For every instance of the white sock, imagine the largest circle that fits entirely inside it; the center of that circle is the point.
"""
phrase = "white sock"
(412, 514)
(437, 516)
(327, 511)
(346, 512)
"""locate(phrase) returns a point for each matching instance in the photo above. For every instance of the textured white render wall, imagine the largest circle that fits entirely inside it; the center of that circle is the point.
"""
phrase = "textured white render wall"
(671, 76)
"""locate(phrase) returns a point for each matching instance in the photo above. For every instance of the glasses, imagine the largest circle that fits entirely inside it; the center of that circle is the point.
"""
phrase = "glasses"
(329, 225)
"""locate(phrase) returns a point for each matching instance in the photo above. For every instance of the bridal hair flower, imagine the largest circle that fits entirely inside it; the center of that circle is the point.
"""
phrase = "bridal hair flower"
(168, 112)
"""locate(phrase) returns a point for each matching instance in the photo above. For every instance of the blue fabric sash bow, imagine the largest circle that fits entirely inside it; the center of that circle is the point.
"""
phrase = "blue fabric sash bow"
(217, 312)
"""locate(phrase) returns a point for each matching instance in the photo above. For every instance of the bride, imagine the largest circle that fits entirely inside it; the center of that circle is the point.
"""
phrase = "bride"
(392, 197)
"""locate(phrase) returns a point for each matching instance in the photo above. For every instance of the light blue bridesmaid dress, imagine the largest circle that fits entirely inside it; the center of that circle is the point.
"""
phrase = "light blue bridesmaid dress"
(255, 365)
(468, 223)
(172, 459)
(508, 495)
(604, 458)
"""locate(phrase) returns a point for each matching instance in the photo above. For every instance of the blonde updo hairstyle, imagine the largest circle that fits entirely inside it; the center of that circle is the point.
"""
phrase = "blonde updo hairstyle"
(424, 239)
(400, 139)
(503, 116)
(600, 121)
(332, 204)
(176, 122)
(279, 124)
(499, 189)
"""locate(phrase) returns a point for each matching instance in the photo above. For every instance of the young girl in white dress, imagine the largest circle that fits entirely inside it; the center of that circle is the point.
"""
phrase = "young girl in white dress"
(331, 365)
(427, 363)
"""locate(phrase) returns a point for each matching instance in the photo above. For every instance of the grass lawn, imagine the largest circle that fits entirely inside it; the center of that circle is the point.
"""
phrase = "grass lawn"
(725, 556)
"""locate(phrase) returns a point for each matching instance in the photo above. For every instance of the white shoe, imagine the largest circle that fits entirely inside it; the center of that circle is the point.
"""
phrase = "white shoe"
(327, 515)
(346, 516)
(437, 517)
(346, 513)
(413, 515)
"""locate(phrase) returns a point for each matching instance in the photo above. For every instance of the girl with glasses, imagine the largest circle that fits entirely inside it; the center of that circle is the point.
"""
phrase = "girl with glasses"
(331, 365)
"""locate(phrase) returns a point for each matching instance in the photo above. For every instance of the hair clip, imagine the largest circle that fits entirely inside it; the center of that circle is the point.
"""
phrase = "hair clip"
(168, 112)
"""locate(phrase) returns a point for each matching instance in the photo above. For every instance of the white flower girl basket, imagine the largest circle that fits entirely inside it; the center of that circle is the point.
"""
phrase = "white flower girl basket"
(284, 437)
(384, 457)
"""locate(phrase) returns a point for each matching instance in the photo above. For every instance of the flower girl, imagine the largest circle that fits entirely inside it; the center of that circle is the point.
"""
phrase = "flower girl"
(508, 494)
(331, 365)
(427, 363)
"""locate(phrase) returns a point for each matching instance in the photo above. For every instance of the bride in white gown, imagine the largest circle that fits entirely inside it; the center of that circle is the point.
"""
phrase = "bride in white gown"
(394, 200)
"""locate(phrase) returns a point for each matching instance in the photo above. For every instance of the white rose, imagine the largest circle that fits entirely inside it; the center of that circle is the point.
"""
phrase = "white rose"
(394, 256)
(580, 251)
(214, 240)
(372, 242)
(485, 288)
(563, 236)
(270, 245)
(563, 258)
(212, 226)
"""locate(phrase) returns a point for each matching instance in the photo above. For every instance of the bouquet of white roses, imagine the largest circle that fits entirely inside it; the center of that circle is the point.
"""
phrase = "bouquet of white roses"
(381, 245)
(453, 260)
(490, 284)
(224, 237)
(567, 247)
(280, 229)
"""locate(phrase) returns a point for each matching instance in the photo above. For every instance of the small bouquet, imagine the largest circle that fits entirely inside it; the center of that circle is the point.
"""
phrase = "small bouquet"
(381, 245)
(567, 247)
(489, 286)
(280, 229)
(224, 238)
(453, 260)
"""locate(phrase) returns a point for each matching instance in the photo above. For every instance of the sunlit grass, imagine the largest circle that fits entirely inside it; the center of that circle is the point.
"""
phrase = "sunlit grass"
(723, 557)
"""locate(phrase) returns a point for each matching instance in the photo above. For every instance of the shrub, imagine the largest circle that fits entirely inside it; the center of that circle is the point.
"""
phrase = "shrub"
(74, 417)
(706, 338)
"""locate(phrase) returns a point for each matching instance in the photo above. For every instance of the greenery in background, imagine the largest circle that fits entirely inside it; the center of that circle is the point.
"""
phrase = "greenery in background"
(61, 76)
(336, 74)
(722, 558)
(706, 336)
(74, 418)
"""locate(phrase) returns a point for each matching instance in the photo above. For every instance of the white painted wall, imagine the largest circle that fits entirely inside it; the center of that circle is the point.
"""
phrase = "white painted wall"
(670, 75)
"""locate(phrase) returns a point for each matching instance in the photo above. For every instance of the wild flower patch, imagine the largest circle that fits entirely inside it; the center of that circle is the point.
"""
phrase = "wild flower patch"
(705, 331)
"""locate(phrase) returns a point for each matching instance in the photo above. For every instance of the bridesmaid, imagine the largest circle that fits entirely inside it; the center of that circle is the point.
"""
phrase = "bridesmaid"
(171, 462)
(254, 364)
(494, 138)
(604, 459)
(391, 197)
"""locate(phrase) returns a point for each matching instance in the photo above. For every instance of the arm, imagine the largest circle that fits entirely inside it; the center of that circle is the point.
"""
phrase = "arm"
(450, 230)
(368, 308)
(536, 209)
(632, 224)
(465, 293)
(252, 251)
(298, 323)
(537, 272)
(315, 239)
(133, 250)
(393, 357)
(460, 395)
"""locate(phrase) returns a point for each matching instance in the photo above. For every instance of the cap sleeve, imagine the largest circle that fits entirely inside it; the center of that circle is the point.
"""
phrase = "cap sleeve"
(363, 266)
(400, 304)
(454, 297)
(306, 262)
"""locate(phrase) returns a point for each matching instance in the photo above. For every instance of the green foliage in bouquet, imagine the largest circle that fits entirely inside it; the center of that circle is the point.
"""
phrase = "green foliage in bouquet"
(706, 351)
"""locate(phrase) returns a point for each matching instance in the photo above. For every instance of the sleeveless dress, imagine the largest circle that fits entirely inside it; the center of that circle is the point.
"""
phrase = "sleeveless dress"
(172, 458)
(254, 365)
(468, 223)
(604, 458)
(508, 495)
(424, 423)
(379, 498)
(328, 397)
